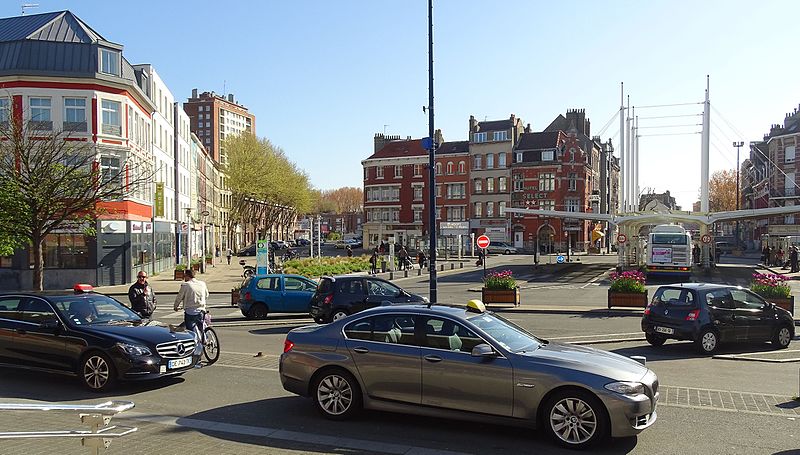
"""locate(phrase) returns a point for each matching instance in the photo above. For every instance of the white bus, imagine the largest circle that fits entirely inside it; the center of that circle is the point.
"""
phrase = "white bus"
(669, 251)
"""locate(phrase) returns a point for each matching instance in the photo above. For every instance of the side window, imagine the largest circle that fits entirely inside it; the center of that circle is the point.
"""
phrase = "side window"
(383, 289)
(352, 287)
(309, 286)
(445, 334)
(746, 300)
(36, 311)
(359, 330)
(269, 284)
(720, 299)
(393, 328)
(8, 308)
(293, 284)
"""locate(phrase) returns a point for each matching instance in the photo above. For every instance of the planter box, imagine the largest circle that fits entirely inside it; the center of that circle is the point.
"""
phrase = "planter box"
(786, 304)
(177, 275)
(234, 297)
(500, 296)
(196, 267)
(625, 299)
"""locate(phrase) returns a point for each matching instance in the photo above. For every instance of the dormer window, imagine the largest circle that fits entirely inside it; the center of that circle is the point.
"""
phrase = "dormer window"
(109, 62)
(479, 137)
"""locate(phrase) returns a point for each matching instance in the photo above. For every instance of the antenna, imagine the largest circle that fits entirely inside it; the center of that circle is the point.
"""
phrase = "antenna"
(224, 88)
(27, 6)
(384, 129)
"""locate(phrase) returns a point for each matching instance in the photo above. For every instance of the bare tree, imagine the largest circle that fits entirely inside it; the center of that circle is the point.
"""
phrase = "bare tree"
(57, 182)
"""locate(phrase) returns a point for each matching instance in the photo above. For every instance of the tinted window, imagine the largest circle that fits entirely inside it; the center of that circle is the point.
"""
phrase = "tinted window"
(441, 333)
(325, 286)
(36, 311)
(382, 288)
(8, 308)
(359, 330)
(720, 298)
(387, 328)
(745, 300)
(351, 287)
(269, 284)
(674, 297)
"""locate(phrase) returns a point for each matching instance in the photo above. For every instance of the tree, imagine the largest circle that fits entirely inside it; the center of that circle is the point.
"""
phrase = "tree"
(722, 191)
(347, 199)
(52, 181)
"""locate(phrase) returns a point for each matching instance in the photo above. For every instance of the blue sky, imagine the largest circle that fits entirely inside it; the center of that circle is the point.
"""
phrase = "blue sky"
(322, 77)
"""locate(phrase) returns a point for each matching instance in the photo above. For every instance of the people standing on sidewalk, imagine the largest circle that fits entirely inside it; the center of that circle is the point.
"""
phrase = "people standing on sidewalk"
(349, 251)
(765, 255)
(421, 259)
(403, 255)
(229, 255)
(192, 298)
(141, 296)
(780, 257)
(373, 263)
(793, 260)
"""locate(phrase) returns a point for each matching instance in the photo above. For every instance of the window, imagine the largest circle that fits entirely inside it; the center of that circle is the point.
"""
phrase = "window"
(519, 183)
(296, 284)
(66, 251)
(40, 113)
(462, 167)
(441, 333)
(387, 328)
(5, 112)
(455, 213)
(75, 114)
(745, 300)
(381, 288)
(417, 170)
(490, 185)
(547, 182)
(366, 170)
(501, 135)
(519, 157)
(109, 62)
(572, 204)
(269, 284)
(478, 186)
(478, 209)
(417, 215)
(417, 193)
(489, 161)
(789, 184)
(502, 208)
(450, 168)
(501, 160)
(489, 209)
(477, 162)
(111, 118)
(379, 172)
(547, 204)
(789, 154)
(398, 172)
(455, 191)
(573, 181)
(438, 168)
(438, 190)
(109, 168)
(547, 155)
(479, 137)
(501, 184)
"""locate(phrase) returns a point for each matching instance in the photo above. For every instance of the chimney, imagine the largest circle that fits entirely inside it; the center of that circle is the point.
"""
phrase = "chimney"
(528, 128)
(473, 124)
(513, 118)
(194, 93)
(380, 141)
(438, 137)
(230, 98)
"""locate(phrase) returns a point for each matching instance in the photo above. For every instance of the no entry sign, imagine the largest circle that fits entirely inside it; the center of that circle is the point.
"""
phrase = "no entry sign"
(482, 241)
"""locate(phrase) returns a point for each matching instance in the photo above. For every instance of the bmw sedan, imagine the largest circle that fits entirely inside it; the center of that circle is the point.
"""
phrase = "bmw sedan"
(456, 362)
(88, 335)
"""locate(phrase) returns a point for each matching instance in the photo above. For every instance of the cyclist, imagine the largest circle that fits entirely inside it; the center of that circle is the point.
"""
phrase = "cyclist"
(192, 297)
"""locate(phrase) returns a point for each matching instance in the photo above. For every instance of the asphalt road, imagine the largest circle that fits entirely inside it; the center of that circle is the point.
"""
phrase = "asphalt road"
(708, 405)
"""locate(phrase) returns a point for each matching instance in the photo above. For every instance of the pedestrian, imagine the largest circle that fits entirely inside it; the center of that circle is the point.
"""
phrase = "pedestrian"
(192, 298)
(373, 263)
(696, 254)
(217, 253)
(349, 251)
(772, 255)
(793, 260)
(421, 259)
(229, 255)
(481, 257)
(382, 248)
(403, 255)
(765, 254)
(142, 297)
(780, 257)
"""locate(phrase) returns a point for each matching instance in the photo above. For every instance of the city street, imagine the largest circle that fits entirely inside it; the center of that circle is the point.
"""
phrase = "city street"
(722, 404)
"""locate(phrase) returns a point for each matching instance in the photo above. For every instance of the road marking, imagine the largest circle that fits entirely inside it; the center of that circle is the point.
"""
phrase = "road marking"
(596, 336)
(593, 280)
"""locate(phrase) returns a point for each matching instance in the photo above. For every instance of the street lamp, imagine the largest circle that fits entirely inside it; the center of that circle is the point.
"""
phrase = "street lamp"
(738, 145)
(204, 213)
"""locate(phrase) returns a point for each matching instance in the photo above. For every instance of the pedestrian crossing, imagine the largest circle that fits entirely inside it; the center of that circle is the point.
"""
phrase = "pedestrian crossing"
(216, 313)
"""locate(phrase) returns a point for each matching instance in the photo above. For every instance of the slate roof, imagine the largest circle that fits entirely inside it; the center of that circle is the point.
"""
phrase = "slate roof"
(453, 147)
(495, 125)
(396, 149)
(59, 26)
(538, 141)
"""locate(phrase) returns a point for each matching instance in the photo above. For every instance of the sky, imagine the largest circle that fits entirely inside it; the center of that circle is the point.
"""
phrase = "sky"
(322, 77)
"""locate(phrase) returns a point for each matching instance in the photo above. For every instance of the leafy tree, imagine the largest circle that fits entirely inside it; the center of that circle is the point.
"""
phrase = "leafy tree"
(347, 199)
(722, 191)
(13, 211)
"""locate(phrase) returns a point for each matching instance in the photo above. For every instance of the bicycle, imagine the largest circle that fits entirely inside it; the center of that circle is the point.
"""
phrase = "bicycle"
(209, 339)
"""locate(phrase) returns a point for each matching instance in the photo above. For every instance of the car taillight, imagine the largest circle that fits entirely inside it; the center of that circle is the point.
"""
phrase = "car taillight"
(692, 316)
(327, 300)
(287, 346)
(647, 310)
(247, 295)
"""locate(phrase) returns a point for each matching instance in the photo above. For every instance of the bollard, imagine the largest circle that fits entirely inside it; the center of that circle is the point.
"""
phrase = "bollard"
(441, 267)
(452, 266)
(640, 358)
(460, 265)
(419, 271)
(405, 273)
(391, 275)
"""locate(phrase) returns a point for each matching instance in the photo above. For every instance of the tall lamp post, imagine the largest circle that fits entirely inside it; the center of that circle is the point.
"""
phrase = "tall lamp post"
(738, 145)
(204, 214)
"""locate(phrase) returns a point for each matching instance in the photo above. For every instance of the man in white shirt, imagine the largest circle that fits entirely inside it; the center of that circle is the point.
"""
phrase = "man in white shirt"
(192, 297)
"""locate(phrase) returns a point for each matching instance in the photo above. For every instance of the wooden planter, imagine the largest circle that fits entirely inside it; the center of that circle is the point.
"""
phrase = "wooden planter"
(490, 296)
(786, 304)
(234, 297)
(626, 299)
(210, 261)
(196, 266)
(177, 275)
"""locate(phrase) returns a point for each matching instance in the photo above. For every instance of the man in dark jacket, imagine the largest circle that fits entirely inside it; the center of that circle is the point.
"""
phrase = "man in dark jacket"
(142, 297)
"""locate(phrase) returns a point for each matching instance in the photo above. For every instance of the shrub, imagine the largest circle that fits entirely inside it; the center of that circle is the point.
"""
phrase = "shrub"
(499, 281)
(180, 267)
(631, 281)
(770, 285)
(315, 268)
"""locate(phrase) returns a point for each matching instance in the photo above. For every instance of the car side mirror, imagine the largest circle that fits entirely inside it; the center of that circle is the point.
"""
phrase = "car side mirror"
(483, 350)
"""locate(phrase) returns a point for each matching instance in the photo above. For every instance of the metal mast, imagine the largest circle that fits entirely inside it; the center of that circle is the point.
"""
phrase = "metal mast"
(623, 162)
(431, 162)
(705, 152)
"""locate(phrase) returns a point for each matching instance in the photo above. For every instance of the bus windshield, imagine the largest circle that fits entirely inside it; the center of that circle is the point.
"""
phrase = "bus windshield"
(669, 239)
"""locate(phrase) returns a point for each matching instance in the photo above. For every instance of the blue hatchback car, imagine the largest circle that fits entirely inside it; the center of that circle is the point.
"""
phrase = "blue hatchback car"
(275, 293)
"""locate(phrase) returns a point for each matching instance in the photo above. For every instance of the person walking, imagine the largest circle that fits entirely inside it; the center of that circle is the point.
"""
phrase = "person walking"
(793, 260)
(403, 255)
(141, 296)
(192, 298)
(230, 253)
(780, 257)
(349, 251)
(373, 263)
(421, 259)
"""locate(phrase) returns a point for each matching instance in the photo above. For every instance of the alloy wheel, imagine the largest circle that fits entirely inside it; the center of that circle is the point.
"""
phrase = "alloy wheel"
(784, 336)
(339, 315)
(573, 421)
(335, 395)
(709, 341)
(96, 372)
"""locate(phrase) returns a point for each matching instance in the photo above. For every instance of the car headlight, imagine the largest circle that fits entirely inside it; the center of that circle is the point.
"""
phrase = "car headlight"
(134, 350)
(626, 388)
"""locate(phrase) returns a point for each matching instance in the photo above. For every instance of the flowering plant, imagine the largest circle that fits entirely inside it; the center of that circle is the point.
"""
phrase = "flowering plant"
(631, 281)
(497, 281)
(770, 285)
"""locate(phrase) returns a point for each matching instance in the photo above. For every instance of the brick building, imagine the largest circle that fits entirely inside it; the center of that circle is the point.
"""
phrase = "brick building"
(452, 194)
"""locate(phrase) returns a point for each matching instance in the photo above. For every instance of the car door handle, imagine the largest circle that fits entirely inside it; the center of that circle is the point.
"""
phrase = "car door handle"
(361, 350)
(432, 358)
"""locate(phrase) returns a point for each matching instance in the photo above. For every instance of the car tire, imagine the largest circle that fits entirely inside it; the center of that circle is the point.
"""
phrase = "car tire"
(338, 314)
(319, 320)
(97, 372)
(655, 340)
(336, 394)
(708, 341)
(259, 311)
(576, 419)
(782, 337)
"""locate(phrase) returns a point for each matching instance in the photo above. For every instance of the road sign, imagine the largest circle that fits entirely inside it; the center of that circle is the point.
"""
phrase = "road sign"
(560, 259)
(706, 238)
(262, 257)
(622, 238)
(483, 241)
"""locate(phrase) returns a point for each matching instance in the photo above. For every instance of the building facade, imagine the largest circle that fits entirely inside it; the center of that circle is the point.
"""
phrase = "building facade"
(452, 196)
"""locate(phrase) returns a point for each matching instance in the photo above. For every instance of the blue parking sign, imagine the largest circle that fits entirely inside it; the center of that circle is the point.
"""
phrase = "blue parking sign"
(560, 259)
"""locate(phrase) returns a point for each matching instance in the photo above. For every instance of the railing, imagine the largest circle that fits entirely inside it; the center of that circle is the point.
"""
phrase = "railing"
(97, 417)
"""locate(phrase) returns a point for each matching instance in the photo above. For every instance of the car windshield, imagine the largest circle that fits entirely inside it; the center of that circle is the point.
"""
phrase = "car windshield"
(93, 309)
(509, 335)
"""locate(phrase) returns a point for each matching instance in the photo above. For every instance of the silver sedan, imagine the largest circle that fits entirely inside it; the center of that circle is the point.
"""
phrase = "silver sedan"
(467, 363)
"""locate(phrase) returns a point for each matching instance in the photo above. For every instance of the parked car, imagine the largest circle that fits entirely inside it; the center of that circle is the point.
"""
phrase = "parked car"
(276, 293)
(354, 243)
(302, 242)
(710, 314)
(340, 296)
(723, 247)
(501, 248)
(247, 251)
(341, 244)
(467, 363)
(89, 335)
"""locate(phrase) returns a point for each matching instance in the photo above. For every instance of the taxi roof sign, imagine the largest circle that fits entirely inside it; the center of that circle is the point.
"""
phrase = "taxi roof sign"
(476, 306)
(82, 288)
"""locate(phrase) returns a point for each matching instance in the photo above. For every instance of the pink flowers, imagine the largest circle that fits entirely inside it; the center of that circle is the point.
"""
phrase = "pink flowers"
(500, 280)
(770, 285)
(630, 281)
(633, 275)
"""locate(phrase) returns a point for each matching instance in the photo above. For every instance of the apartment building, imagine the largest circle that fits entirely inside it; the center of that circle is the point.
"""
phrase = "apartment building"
(213, 117)
(452, 195)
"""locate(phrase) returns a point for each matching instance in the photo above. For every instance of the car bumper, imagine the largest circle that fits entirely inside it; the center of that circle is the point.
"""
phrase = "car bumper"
(318, 312)
(151, 367)
(630, 415)
(680, 333)
(291, 377)
(244, 306)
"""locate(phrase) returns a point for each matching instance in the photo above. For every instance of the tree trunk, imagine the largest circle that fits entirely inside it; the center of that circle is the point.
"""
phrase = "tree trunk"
(38, 265)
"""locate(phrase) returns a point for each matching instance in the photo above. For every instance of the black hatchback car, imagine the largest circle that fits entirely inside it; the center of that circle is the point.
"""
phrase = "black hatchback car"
(710, 314)
(338, 297)
(89, 335)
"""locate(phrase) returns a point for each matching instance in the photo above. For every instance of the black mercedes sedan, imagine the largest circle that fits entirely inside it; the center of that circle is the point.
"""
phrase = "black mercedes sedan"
(89, 335)
(710, 314)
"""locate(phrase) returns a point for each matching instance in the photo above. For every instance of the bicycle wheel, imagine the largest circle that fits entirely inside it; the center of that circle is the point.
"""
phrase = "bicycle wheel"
(211, 346)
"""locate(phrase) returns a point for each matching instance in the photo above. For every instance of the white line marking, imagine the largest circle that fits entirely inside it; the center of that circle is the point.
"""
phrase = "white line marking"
(596, 336)
(593, 280)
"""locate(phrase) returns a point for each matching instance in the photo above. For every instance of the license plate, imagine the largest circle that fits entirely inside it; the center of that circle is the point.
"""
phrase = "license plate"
(179, 363)
(666, 330)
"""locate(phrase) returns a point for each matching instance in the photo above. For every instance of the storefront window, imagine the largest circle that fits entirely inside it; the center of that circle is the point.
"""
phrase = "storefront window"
(66, 251)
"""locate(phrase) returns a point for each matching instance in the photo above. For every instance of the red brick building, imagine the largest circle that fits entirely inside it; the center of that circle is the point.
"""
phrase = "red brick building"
(452, 194)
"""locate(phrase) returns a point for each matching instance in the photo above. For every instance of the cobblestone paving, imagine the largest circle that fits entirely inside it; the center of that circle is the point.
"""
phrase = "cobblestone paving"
(729, 401)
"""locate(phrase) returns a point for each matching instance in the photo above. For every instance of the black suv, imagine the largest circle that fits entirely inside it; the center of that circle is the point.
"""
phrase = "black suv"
(709, 314)
(338, 297)
(88, 335)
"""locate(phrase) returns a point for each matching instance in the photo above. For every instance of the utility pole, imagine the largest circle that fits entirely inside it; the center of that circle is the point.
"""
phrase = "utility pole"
(738, 145)
(431, 161)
